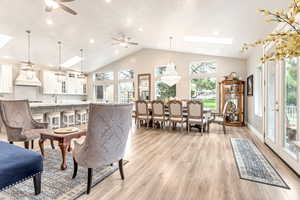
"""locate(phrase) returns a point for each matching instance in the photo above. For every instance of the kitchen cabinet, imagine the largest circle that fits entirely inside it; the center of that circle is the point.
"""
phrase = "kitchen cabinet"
(6, 78)
(70, 85)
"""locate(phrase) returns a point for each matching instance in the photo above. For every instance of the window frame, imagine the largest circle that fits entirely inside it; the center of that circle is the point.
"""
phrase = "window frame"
(157, 78)
(213, 75)
(125, 81)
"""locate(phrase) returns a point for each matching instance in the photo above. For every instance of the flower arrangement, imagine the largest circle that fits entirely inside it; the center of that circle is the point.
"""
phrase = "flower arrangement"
(285, 43)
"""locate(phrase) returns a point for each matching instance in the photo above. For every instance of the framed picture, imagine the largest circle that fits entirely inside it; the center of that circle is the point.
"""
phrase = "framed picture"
(250, 85)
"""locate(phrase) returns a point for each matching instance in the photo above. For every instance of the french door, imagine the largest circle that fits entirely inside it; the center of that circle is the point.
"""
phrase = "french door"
(281, 109)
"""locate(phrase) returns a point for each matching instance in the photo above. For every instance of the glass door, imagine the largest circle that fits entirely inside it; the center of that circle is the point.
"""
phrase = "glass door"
(290, 101)
(272, 102)
(281, 111)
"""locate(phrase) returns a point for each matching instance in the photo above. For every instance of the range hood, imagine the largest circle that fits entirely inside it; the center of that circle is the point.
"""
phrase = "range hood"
(28, 78)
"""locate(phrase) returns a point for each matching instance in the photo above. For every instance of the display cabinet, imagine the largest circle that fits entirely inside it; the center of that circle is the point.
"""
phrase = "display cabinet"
(232, 93)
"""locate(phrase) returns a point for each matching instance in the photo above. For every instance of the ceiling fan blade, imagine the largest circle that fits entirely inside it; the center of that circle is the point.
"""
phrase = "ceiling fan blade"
(67, 9)
(66, 0)
(133, 43)
(48, 9)
(116, 39)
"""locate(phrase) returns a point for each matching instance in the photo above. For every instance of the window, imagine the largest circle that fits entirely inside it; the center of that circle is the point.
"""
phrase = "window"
(127, 74)
(205, 89)
(104, 76)
(162, 90)
(203, 83)
(205, 67)
(126, 86)
(105, 93)
(258, 108)
(104, 87)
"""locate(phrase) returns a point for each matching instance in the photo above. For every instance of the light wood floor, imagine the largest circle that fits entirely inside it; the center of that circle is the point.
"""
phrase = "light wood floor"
(169, 165)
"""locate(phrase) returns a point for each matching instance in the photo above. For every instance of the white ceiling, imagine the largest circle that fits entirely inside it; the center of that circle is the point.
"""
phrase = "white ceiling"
(100, 20)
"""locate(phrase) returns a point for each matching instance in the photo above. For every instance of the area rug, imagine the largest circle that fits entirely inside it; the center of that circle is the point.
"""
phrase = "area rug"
(57, 184)
(253, 166)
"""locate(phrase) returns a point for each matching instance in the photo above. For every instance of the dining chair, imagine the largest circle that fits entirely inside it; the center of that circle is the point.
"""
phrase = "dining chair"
(176, 113)
(158, 112)
(195, 114)
(220, 118)
(106, 138)
(142, 112)
(20, 126)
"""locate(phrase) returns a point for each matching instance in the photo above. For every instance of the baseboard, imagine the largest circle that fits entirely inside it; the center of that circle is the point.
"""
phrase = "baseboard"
(256, 132)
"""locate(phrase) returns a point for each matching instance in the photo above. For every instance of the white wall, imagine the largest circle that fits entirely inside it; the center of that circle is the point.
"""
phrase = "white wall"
(145, 61)
(253, 62)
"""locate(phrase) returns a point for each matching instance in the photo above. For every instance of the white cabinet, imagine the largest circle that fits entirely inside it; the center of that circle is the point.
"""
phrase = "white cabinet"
(6, 78)
(70, 85)
(53, 85)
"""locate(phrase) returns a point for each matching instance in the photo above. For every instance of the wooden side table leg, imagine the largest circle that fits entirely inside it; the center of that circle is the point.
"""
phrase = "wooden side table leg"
(63, 147)
(41, 144)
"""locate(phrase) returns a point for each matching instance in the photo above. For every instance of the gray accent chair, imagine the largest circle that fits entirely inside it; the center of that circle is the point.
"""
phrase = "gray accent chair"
(106, 138)
(18, 122)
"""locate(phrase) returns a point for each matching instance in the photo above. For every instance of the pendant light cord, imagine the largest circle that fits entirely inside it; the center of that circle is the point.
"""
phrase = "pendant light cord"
(59, 55)
(28, 39)
(81, 55)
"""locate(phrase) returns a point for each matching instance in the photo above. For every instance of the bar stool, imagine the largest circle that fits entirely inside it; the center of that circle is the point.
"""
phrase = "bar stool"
(81, 117)
(38, 117)
(53, 120)
(69, 118)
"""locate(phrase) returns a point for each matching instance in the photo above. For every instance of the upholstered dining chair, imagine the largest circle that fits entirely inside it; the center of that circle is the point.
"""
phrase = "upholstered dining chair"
(158, 113)
(176, 113)
(142, 112)
(220, 118)
(105, 142)
(18, 122)
(195, 114)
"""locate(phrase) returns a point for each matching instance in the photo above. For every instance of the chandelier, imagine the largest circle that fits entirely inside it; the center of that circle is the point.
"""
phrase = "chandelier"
(60, 74)
(170, 76)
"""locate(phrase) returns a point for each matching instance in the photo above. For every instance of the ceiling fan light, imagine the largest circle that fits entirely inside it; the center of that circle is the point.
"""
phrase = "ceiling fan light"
(51, 4)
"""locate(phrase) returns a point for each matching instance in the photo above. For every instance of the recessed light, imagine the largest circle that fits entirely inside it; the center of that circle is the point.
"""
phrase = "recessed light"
(108, 1)
(128, 21)
(141, 29)
(51, 3)
(4, 39)
(49, 21)
(216, 33)
(212, 40)
(117, 52)
(71, 61)
(92, 41)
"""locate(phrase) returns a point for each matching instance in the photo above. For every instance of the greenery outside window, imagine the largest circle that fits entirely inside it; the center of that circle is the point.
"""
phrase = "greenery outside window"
(205, 89)
(162, 90)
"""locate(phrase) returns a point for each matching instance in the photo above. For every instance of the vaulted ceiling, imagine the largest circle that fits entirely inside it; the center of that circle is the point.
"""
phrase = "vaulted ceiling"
(149, 22)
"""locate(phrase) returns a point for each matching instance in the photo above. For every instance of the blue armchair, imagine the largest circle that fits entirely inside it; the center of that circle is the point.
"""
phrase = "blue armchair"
(17, 165)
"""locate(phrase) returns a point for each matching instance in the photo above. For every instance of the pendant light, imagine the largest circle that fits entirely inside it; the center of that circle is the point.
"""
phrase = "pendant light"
(60, 74)
(81, 75)
(27, 65)
(170, 76)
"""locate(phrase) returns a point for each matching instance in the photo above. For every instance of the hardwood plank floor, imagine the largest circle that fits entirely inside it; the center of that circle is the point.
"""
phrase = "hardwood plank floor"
(170, 165)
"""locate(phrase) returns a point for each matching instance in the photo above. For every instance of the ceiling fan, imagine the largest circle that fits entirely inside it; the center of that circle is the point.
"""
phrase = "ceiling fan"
(123, 41)
(54, 4)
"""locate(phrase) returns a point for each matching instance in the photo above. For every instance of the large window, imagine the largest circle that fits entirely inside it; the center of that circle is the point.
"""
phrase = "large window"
(126, 86)
(105, 93)
(203, 83)
(104, 87)
(205, 89)
(162, 90)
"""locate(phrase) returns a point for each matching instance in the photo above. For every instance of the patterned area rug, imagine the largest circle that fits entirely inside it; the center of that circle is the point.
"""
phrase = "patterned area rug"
(252, 164)
(57, 184)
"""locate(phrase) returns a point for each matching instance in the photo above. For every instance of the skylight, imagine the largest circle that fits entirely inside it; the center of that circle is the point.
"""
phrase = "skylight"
(4, 39)
(71, 62)
(212, 40)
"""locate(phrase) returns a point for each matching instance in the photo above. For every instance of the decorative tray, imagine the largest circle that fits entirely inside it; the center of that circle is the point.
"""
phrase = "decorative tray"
(66, 130)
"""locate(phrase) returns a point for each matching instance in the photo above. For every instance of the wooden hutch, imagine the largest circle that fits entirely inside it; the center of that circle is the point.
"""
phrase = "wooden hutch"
(233, 91)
